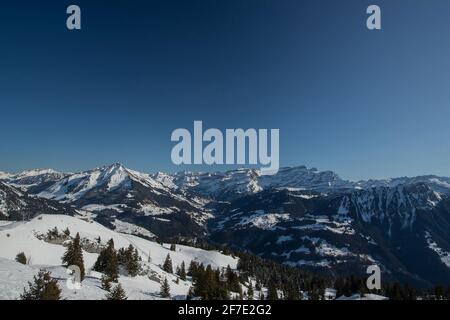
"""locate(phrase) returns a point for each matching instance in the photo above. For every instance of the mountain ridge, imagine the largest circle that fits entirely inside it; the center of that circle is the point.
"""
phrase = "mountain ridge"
(166, 179)
(300, 217)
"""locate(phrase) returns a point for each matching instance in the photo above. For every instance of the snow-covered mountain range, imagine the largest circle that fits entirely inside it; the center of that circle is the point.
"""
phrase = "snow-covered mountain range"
(300, 216)
(233, 184)
(114, 191)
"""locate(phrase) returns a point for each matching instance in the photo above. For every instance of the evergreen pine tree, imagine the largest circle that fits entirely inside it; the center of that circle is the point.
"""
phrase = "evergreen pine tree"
(208, 284)
(116, 293)
(258, 285)
(74, 255)
(66, 233)
(107, 262)
(129, 260)
(272, 293)
(292, 293)
(135, 267)
(447, 293)
(396, 292)
(193, 266)
(167, 266)
(314, 294)
(233, 280)
(250, 291)
(106, 283)
(439, 292)
(21, 258)
(165, 289)
(43, 288)
(182, 271)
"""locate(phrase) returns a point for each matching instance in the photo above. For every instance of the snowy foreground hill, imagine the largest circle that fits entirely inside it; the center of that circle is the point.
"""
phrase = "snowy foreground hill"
(26, 237)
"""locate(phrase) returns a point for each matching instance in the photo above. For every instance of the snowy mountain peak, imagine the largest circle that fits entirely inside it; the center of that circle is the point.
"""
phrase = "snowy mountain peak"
(74, 186)
(112, 167)
(36, 172)
(305, 178)
(5, 175)
(114, 175)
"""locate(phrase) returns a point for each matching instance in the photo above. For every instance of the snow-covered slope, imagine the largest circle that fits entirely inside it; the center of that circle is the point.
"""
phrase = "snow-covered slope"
(367, 296)
(16, 204)
(9, 200)
(25, 237)
(394, 204)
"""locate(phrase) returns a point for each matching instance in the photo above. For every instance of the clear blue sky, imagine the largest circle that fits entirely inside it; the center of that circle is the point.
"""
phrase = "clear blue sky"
(364, 104)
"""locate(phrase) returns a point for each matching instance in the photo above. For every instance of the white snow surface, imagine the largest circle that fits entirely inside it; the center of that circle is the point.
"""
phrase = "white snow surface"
(100, 207)
(129, 228)
(262, 220)
(367, 296)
